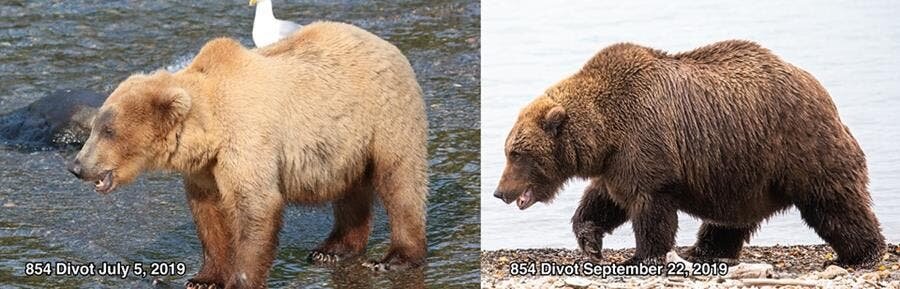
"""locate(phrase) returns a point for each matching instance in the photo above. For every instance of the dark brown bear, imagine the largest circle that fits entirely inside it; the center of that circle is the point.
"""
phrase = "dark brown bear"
(728, 133)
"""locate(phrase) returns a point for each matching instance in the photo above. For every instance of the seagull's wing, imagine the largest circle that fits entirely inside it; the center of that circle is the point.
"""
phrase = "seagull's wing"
(286, 28)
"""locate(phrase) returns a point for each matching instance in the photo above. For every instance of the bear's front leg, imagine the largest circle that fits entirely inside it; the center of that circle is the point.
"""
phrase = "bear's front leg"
(214, 232)
(257, 220)
(655, 222)
(596, 216)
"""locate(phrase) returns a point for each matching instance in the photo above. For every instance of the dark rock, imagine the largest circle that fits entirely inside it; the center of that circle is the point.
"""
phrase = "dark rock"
(59, 119)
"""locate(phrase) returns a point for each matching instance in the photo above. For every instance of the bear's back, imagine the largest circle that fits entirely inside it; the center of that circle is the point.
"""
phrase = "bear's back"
(729, 52)
(339, 46)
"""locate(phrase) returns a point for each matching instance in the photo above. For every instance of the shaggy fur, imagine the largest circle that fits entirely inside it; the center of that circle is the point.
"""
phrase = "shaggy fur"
(330, 114)
(728, 133)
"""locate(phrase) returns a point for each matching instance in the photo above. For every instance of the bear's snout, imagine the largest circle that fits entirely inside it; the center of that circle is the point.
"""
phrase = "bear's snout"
(502, 196)
(76, 169)
(498, 194)
(514, 188)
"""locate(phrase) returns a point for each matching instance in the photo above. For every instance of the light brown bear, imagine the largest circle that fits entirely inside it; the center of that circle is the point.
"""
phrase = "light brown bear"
(330, 114)
(728, 133)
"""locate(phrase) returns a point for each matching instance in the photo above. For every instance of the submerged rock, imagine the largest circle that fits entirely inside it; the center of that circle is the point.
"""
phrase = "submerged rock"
(59, 119)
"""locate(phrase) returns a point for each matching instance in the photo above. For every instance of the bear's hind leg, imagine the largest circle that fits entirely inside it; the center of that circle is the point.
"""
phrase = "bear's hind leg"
(353, 223)
(655, 223)
(214, 234)
(400, 181)
(596, 216)
(841, 215)
(719, 243)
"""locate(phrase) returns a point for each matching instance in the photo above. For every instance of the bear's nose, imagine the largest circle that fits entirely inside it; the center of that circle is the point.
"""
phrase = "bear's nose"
(498, 194)
(75, 168)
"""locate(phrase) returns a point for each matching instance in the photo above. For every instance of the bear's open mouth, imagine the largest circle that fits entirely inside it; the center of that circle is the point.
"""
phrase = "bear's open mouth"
(106, 183)
(525, 200)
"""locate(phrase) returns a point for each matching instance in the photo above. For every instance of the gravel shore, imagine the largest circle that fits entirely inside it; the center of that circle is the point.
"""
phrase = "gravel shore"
(799, 266)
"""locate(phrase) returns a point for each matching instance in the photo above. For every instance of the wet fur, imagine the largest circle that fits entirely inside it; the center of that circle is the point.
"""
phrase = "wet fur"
(728, 133)
(330, 114)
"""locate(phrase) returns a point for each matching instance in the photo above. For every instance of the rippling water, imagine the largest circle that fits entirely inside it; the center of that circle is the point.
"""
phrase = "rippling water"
(852, 47)
(47, 215)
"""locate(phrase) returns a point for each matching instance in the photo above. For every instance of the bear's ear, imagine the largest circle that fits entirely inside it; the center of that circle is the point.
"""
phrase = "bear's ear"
(554, 119)
(172, 103)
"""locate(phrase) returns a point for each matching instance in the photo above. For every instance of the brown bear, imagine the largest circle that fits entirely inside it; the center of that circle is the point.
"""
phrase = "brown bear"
(330, 114)
(728, 133)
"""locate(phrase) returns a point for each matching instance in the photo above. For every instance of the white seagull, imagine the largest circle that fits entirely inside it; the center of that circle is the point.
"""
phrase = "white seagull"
(267, 29)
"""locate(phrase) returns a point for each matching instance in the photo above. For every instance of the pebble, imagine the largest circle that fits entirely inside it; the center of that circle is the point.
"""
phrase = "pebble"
(750, 270)
(871, 276)
(832, 271)
(578, 282)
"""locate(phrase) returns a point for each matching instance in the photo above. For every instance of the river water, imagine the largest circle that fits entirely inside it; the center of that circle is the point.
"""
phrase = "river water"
(852, 47)
(46, 215)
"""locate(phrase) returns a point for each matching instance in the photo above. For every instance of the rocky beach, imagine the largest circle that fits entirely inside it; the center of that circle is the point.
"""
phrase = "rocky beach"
(799, 266)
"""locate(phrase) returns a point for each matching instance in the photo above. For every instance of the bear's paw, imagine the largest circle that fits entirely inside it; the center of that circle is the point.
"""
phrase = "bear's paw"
(199, 284)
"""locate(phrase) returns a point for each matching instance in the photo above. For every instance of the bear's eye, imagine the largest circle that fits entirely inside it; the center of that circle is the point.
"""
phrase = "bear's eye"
(108, 131)
(514, 155)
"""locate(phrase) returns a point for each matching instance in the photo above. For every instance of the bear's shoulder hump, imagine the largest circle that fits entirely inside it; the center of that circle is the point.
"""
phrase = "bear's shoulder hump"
(218, 52)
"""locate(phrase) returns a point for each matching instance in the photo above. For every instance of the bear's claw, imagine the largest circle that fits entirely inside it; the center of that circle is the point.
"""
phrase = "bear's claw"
(190, 284)
(590, 240)
(320, 257)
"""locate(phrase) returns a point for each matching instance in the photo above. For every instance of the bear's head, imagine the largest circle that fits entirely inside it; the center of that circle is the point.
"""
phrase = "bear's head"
(133, 129)
(535, 170)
